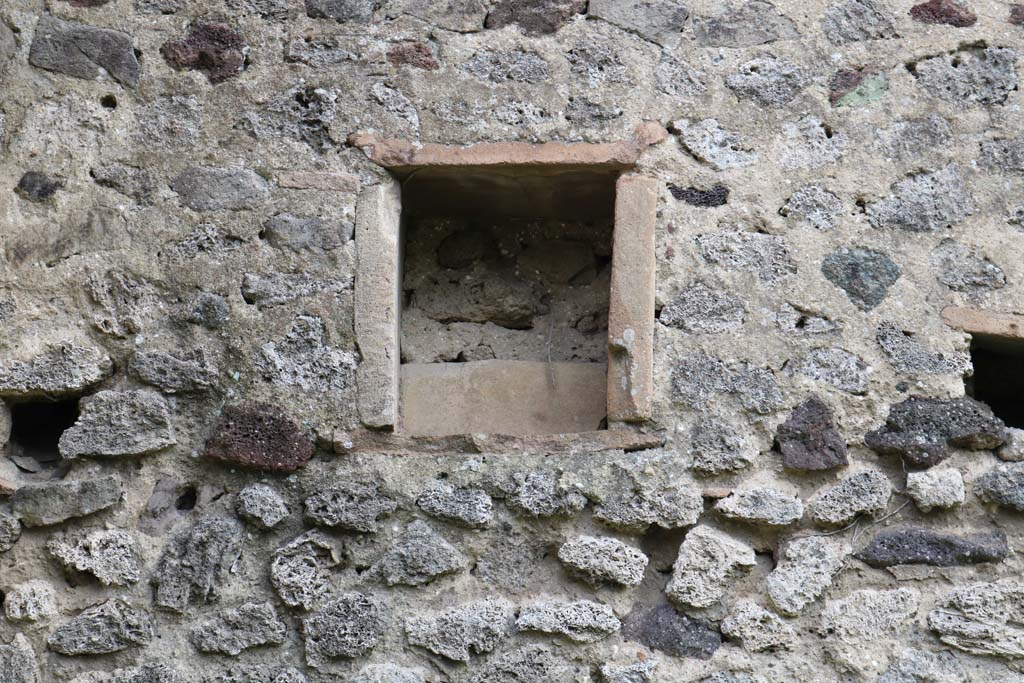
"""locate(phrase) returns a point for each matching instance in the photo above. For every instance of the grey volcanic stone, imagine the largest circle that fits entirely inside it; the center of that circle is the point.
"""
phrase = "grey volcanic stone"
(139, 184)
(581, 622)
(913, 138)
(1003, 485)
(58, 371)
(757, 629)
(676, 78)
(233, 630)
(864, 274)
(466, 506)
(147, 673)
(806, 568)
(659, 21)
(913, 545)
(112, 626)
(204, 188)
(865, 619)
(461, 632)
(639, 672)
(196, 561)
(699, 309)
(809, 143)
(55, 502)
(753, 23)
(922, 430)
(707, 141)
(304, 358)
(209, 310)
(534, 17)
(1003, 154)
(809, 440)
(982, 619)
(10, 531)
(672, 632)
(500, 66)
(762, 506)
(262, 505)
(348, 626)
(354, 505)
(1013, 449)
(717, 447)
(174, 373)
(305, 233)
(849, 21)
(389, 673)
(971, 75)
(963, 269)
(708, 562)
(111, 555)
(529, 664)
(357, 11)
(835, 366)
(698, 377)
(38, 187)
(909, 356)
(419, 556)
(542, 493)
(600, 559)
(119, 423)
(937, 487)
(639, 501)
(921, 666)
(30, 601)
(768, 81)
(814, 205)
(18, 663)
(84, 51)
(864, 492)
(767, 256)
(300, 570)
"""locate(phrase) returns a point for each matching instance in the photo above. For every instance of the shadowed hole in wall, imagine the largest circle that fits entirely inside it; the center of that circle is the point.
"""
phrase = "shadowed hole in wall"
(505, 288)
(998, 379)
(36, 427)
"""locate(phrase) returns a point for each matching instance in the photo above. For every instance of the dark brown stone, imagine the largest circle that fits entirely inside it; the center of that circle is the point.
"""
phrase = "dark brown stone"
(1017, 15)
(809, 440)
(943, 12)
(38, 187)
(256, 435)
(413, 53)
(86, 3)
(534, 17)
(215, 49)
(845, 81)
(716, 196)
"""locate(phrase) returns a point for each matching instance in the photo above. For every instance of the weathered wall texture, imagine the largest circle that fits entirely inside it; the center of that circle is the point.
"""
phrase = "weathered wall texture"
(177, 201)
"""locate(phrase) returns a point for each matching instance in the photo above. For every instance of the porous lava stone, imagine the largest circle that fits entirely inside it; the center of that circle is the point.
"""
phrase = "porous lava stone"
(716, 196)
(255, 435)
(413, 53)
(912, 545)
(1017, 15)
(215, 49)
(534, 17)
(808, 440)
(943, 12)
(674, 633)
(38, 187)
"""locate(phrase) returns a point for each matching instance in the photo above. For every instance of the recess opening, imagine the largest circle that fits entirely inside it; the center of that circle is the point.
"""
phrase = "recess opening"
(998, 379)
(505, 294)
(36, 427)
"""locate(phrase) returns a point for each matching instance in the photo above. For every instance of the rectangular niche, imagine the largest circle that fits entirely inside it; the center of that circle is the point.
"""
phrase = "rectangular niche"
(509, 296)
(997, 354)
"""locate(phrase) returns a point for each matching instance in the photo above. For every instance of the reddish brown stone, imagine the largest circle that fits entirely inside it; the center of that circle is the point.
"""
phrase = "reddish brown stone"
(943, 12)
(1017, 15)
(809, 440)
(86, 3)
(535, 17)
(414, 54)
(256, 435)
(215, 49)
(844, 81)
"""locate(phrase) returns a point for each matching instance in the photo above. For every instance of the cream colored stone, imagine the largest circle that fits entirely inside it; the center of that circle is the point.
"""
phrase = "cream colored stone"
(310, 180)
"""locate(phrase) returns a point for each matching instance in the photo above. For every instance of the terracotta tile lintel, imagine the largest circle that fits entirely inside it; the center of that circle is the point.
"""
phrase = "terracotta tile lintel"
(399, 155)
(980, 321)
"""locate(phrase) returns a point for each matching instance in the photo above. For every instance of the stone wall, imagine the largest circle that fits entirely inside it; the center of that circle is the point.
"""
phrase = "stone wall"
(814, 500)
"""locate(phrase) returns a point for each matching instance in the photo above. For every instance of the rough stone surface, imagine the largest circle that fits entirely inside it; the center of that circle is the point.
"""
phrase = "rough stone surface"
(1003, 485)
(534, 17)
(600, 559)
(261, 505)
(111, 555)
(1013, 449)
(119, 423)
(865, 492)
(641, 501)
(962, 269)
(348, 626)
(914, 545)
(204, 188)
(981, 618)
(234, 630)
(708, 142)
(943, 12)
(30, 601)
(922, 430)
(971, 76)
(814, 205)
(717, 447)
(256, 435)
(809, 440)
(752, 23)
(938, 487)
(909, 356)
(84, 51)
(196, 562)
(354, 505)
(174, 373)
(761, 506)
(864, 274)
(1005, 155)
(581, 622)
(767, 256)
(60, 370)
(708, 562)
(419, 556)
(660, 21)
(849, 21)
(806, 569)
(862, 620)
(217, 50)
(922, 666)
(300, 571)
(672, 632)
(38, 187)
(768, 81)
(470, 507)
(56, 502)
(702, 310)
(757, 629)
(836, 367)
(18, 663)
(463, 631)
(924, 202)
(112, 626)
(10, 531)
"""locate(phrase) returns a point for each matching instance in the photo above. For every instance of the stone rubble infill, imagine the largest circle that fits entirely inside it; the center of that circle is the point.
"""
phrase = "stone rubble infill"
(912, 545)
(866, 620)
(261, 505)
(112, 626)
(761, 506)
(234, 630)
(196, 561)
(55, 502)
(542, 493)
(84, 51)
(708, 562)
(30, 601)
(640, 672)
(348, 626)
(937, 488)
(668, 502)
(1003, 485)
(419, 556)
(757, 629)
(806, 569)
(922, 430)
(119, 424)
(582, 621)
(465, 506)
(111, 555)
(983, 619)
(18, 661)
(809, 440)
(352, 505)
(10, 531)
(862, 493)
(58, 371)
(672, 632)
(147, 673)
(300, 570)
(600, 559)
(459, 633)
(174, 373)
(258, 436)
